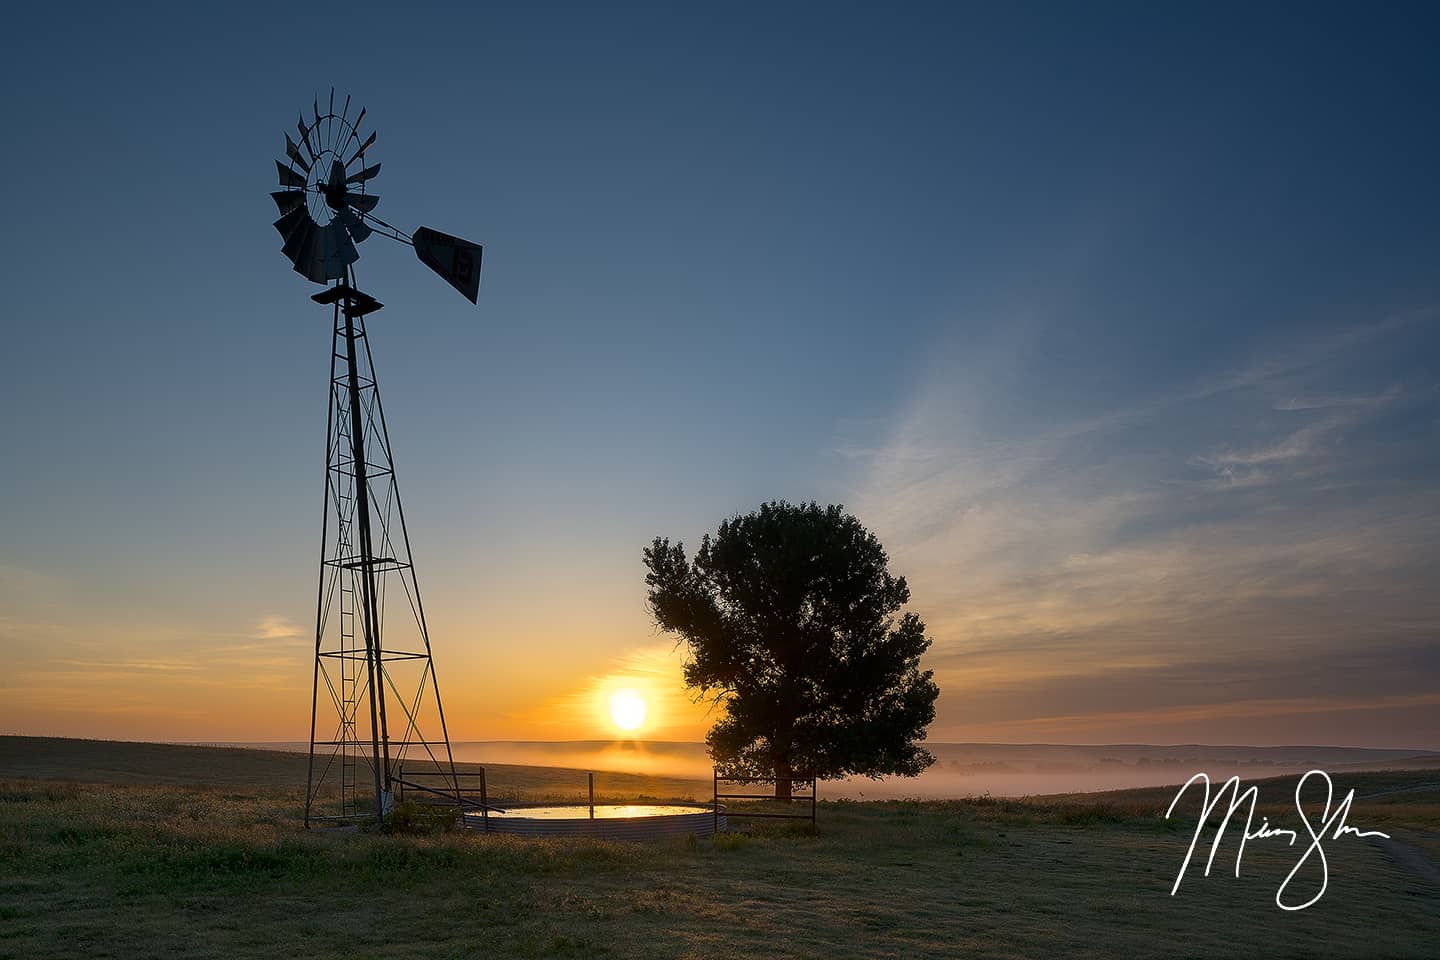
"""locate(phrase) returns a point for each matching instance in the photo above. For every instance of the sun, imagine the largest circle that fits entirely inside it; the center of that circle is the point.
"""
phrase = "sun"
(627, 709)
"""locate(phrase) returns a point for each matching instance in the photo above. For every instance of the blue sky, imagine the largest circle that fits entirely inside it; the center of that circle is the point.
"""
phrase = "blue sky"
(1118, 325)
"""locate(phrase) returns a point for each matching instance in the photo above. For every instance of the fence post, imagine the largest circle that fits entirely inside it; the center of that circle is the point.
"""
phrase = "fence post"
(814, 789)
(484, 805)
(715, 803)
(592, 796)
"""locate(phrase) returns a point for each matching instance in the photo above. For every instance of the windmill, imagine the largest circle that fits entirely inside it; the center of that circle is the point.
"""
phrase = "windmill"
(373, 676)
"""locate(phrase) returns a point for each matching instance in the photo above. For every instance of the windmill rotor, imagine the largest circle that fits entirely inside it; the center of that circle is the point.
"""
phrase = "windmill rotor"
(321, 201)
(326, 207)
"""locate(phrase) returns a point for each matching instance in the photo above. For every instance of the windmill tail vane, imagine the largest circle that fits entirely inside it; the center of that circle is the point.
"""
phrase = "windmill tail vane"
(377, 720)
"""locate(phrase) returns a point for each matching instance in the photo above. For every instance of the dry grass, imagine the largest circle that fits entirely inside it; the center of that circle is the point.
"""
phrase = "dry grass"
(144, 870)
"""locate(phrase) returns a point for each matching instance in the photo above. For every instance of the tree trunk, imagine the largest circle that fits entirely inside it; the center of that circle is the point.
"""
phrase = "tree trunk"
(782, 779)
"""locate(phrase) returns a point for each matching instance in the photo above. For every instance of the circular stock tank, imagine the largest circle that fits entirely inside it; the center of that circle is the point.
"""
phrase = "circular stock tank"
(609, 821)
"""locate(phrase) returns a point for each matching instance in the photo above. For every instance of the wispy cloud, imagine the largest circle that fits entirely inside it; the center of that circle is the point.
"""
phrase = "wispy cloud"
(1325, 402)
(1320, 438)
(1055, 554)
(276, 628)
(129, 666)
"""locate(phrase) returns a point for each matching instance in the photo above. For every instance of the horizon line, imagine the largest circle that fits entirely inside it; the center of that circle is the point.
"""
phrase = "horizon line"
(636, 740)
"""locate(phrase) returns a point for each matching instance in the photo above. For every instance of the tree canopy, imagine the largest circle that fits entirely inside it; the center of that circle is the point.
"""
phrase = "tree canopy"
(789, 618)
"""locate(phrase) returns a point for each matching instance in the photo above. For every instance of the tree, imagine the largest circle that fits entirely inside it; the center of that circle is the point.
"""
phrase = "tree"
(788, 617)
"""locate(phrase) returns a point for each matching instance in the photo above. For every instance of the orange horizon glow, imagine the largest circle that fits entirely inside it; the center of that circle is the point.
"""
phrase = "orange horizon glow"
(147, 682)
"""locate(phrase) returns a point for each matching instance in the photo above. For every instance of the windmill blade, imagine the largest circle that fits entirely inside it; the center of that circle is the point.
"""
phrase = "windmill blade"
(345, 109)
(305, 137)
(364, 202)
(290, 221)
(298, 240)
(359, 230)
(456, 261)
(340, 252)
(313, 270)
(325, 249)
(311, 261)
(369, 142)
(337, 175)
(287, 200)
(293, 152)
(363, 175)
(288, 177)
(359, 119)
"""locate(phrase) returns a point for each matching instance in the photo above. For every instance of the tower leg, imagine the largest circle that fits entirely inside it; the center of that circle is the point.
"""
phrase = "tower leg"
(379, 738)
(324, 542)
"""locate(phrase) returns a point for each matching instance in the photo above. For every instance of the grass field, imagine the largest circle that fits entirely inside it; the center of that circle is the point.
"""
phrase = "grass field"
(137, 850)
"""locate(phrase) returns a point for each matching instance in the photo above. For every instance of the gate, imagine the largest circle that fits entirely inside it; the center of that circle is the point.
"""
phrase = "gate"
(808, 783)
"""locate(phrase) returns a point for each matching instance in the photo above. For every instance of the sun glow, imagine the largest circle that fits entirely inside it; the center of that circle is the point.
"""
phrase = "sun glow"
(627, 709)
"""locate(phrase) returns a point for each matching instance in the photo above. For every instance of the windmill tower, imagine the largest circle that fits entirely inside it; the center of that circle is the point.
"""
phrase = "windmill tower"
(375, 705)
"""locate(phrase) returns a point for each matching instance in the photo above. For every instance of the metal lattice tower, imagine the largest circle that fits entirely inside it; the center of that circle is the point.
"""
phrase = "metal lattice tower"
(373, 663)
(376, 700)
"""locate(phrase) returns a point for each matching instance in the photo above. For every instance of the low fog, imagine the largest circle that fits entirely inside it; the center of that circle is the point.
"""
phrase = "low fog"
(968, 769)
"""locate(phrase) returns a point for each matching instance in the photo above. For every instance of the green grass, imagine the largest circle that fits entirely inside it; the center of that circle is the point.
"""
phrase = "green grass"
(203, 870)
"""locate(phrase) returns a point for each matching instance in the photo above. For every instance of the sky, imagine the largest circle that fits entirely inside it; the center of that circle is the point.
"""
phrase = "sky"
(1118, 325)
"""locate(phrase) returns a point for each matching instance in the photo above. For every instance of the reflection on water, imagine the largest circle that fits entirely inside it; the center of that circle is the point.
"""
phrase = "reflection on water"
(603, 811)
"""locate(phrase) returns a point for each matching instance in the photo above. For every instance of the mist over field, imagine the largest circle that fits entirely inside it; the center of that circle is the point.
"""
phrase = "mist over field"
(965, 769)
